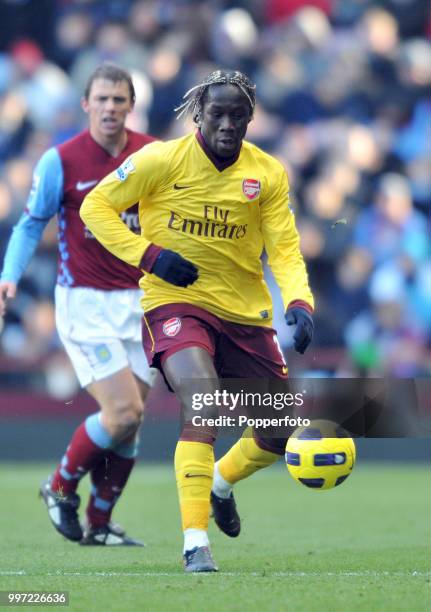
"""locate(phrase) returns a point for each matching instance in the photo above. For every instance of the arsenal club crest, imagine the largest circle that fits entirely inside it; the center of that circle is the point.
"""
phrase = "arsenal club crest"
(251, 188)
(171, 327)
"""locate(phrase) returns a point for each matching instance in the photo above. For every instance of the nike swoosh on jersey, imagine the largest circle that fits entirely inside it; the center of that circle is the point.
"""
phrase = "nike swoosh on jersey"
(176, 186)
(83, 185)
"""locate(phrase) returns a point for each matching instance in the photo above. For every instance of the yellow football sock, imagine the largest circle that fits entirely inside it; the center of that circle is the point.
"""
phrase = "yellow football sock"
(244, 459)
(194, 469)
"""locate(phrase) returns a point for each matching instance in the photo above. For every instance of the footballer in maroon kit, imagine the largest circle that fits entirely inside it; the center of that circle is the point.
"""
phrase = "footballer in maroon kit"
(98, 313)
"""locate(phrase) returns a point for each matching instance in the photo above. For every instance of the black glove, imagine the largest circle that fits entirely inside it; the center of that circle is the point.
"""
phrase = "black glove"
(304, 327)
(174, 269)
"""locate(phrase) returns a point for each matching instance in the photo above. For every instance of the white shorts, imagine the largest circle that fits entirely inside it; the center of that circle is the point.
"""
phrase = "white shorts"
(101, 332)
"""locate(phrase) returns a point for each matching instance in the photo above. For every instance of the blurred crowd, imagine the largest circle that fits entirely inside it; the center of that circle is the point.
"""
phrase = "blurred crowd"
(344, 100)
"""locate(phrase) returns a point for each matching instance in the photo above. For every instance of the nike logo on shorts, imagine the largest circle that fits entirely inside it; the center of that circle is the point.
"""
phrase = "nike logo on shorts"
(83, 185)
(176, 186)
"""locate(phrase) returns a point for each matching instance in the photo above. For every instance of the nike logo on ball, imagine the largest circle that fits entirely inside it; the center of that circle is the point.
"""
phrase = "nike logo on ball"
(176, 186)
(83, 185)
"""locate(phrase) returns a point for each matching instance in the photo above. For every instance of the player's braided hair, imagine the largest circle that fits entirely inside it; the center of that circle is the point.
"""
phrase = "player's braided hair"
(193, 98)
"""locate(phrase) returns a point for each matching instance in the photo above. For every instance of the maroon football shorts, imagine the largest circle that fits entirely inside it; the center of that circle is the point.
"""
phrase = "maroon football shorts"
(238, 351)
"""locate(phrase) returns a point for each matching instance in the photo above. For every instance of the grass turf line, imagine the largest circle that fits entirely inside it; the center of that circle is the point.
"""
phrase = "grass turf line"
(362, 546)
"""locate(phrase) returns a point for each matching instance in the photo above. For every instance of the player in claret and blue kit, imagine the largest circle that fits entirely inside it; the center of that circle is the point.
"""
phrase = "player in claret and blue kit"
(98, 313)
(209, 203)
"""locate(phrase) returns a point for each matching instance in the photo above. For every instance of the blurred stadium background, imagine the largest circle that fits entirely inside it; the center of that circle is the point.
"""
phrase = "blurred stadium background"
(344, 92)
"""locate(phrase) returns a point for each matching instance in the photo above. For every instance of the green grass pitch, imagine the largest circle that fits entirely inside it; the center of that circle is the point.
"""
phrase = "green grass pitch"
(363, 546)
